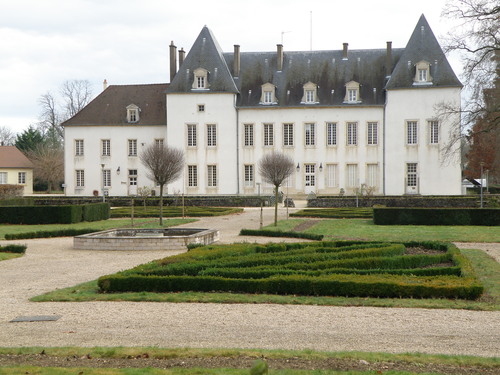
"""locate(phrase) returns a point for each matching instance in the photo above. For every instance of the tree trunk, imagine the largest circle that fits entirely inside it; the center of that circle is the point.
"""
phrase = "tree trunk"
(161, 205)
(276, 205)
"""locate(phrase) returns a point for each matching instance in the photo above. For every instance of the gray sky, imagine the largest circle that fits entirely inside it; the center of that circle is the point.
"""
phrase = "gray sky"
(46, 42)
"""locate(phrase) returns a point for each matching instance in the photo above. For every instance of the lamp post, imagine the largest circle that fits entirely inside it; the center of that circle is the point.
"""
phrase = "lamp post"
(102, 183)
(481, 164)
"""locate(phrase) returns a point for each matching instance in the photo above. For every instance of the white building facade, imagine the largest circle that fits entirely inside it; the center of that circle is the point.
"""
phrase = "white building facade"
(350, 120)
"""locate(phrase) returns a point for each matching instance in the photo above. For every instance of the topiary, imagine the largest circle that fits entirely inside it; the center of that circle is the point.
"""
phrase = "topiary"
(259, 367)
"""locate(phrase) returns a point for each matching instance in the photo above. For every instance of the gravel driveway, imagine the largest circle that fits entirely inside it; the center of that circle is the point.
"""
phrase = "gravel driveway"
(52, 263)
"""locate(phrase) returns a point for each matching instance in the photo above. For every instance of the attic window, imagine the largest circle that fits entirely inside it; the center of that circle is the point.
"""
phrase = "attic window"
(310, 94)
(200, 81)
(422, 73)
(133, 113)
(352, 93)
(268, 96)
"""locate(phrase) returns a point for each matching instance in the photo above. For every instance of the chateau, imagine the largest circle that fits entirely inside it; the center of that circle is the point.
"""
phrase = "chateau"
(348, 118)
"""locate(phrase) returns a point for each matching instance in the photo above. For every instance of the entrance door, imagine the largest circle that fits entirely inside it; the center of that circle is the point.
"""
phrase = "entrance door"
(132, 182)
(310, 178)
(411, 178)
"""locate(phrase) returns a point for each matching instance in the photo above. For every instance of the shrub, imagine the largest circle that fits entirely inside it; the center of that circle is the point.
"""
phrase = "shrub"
(10, 191)
(95, 212)
(336, 213)
(49, 233)
(436, 216)
(19, 249)
(277, 233)
(53, 214)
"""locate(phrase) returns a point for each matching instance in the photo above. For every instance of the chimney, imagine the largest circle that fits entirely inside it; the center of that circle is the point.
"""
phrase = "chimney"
(280, 57)
(236, 61)
(104, 85)
(344, 52)
(388, 60)
(182, 53)
(173, 60)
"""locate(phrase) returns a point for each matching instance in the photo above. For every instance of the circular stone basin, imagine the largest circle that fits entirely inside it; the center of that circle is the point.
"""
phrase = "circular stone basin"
(145, 239)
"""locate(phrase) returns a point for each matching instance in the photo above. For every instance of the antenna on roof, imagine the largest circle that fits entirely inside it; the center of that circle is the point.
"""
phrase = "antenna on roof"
(283, 33)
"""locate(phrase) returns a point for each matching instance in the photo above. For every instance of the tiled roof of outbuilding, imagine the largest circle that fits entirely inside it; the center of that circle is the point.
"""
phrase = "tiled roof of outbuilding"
(12, 157)
(109, 107)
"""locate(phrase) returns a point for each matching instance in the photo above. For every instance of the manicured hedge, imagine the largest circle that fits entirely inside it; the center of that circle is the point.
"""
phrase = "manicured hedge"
(18, 249)
(436, 216)
(189, 211)
(54, 214)
(278, 233)
(343, 268)
(49, 233)
(336, 213)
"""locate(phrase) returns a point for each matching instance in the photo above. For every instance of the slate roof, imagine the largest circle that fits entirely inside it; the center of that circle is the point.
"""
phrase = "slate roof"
(12, 157)
(109, 107)
(423, 45)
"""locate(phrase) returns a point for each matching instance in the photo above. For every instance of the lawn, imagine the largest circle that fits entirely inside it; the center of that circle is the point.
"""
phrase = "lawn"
(364, 229)
(97, 225)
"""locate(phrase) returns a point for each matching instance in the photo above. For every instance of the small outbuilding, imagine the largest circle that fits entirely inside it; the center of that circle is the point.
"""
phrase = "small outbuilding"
(16, 169)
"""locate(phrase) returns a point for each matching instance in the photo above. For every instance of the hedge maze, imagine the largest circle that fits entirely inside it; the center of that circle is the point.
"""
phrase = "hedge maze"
(341, 268)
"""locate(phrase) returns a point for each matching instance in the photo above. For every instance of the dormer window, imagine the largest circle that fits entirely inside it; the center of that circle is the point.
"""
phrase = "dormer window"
(133, 113)
(352, 93)
(422, 73)
(268, 96)
(310, 94)
(200, 81)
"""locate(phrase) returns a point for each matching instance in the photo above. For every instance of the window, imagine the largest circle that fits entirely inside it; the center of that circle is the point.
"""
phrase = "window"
(434, 132)
(372, 175)
(132, 147)
(331, 175)
(411, 174)
(287, 134)
(331, 134)
(352, 175)
(80, 178)
(211, 135)
(200, 81)
(211, 175)
(310, 93)
(132, 177)
(249, 176)
(248, 134)
(422, 73)
(268, 135)
(268, 94)
(352, 92)
(106, 178)
(159, 142)
(372, 133)
(192, 175)
(21, 177)
(78, 147)
(352, 133)
(411, 132)
(106, 147)
(201, 107)
(310, 174)
(310, 134)
(268, 97)
(132, 113)
(3, 178)
(191, 135)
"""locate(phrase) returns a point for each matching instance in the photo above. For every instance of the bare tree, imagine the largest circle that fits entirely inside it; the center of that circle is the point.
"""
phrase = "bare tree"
(50, 118)
(76, 94)
(48, 164)
(7, 136)
(274, 168)
(164, 165)
(477, 39)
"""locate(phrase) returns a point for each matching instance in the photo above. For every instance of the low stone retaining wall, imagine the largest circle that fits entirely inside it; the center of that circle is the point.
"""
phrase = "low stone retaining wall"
(145, 239)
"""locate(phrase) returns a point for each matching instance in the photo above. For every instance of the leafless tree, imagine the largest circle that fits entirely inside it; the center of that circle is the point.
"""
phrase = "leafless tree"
(164, 165)
(7, 136)
(48, 164)
(274, 168)
(477, 39)
(76, 94)
(50, 118)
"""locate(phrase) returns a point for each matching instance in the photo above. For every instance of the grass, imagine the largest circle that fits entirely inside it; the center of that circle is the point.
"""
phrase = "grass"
(486, 268)
(173, 211)
(7, 256)
(97, 225)
(363, 229)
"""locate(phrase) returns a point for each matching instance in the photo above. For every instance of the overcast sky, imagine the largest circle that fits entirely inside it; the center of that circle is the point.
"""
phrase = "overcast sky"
(46, 42)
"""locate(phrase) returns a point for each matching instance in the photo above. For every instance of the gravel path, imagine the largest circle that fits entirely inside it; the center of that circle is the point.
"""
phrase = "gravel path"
(52, 263)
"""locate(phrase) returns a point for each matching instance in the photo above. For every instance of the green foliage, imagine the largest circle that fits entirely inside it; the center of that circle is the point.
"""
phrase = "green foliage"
(21, 201)
(54, 214)
(277, 233)
(351, 269)
(259, 367)
(49, 233)
(173, 211)
(29, 139)
(336, 213)
(18, 249)
(436, 216)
